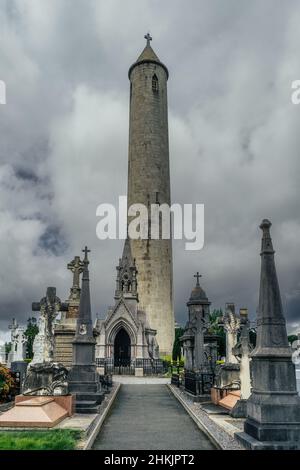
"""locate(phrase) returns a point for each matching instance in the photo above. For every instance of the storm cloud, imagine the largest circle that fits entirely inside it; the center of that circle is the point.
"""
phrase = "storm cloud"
(234, 141)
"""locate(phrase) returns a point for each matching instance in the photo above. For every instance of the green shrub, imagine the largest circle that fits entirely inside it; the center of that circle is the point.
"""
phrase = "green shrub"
(56, 439)
(6, 383)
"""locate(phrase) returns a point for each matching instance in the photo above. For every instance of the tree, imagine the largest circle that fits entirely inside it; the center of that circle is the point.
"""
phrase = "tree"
(176, 355)
(292, 338)
(30, 333)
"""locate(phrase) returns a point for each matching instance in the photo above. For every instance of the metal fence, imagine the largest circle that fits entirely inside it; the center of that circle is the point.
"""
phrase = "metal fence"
(175, 380)
(125, 367)
(198, 383)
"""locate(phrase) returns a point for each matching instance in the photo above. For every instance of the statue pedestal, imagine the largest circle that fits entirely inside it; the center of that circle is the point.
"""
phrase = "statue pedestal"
(84, 383)
(37, 411)
(64, 334)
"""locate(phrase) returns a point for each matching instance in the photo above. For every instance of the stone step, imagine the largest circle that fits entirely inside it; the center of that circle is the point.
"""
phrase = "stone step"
(89, 397)
(88, 410)
(87, 406)
(82, 403)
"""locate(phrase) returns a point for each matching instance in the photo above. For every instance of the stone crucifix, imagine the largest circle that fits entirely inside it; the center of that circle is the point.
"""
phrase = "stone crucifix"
(14, 341)
(148, 39)
(49, 306)
(76, 267)
(197, 276)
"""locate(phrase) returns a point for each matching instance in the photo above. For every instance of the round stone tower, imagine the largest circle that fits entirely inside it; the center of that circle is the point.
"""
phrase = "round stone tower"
(149, 183)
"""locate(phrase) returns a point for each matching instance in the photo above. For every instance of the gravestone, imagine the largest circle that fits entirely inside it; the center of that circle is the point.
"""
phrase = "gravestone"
(273, 408)
(231, 323)
(228, 374)
(13, 340)
(65, 329)
(2, 353)
(198, 345)
(242, 352)
(49, 307)
(20, 344)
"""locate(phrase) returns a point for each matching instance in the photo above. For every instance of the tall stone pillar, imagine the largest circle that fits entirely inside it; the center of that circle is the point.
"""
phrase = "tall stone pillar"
(83, 378)
(273, 409)
(149, 183)
(245, 375)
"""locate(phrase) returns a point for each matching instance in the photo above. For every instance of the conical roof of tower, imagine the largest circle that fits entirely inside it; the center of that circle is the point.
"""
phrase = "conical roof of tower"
(148, 56)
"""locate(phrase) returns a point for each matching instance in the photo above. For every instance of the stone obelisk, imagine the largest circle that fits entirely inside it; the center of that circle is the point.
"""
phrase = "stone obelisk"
(273, 409)
(149, 183)
(83, 378)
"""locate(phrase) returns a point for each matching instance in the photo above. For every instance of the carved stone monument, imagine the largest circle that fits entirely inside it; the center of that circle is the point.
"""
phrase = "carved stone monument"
(83, 378)
(65, 330)
(45, 400)
(20, 344)
(2, 353)
(228, 374)
(199, 364)
(231, 323)
(49, 307)
(227, 379)
(46, 379)
(13, 339)
(242, 352)
(273, 409)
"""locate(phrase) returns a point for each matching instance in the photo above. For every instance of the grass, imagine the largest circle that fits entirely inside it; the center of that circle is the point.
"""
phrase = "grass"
(56, 439)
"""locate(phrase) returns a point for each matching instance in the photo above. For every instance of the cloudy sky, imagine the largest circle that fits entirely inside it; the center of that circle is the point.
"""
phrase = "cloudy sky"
(234, 141)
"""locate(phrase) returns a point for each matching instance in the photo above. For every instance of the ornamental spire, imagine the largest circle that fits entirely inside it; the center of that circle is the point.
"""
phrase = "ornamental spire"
(84, 323)
(271, 328)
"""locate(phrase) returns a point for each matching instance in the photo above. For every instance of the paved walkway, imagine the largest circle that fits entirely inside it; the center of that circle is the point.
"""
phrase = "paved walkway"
(131, 379)
(149, 417)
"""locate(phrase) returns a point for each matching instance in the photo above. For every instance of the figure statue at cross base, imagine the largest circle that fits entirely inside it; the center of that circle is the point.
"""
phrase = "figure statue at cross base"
(49, 307)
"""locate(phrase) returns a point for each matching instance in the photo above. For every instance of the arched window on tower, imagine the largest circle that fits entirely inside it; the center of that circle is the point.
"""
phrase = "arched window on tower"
(155, 83)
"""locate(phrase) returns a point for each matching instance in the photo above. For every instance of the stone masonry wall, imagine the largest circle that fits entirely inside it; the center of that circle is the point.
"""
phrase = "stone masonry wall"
(148, 181)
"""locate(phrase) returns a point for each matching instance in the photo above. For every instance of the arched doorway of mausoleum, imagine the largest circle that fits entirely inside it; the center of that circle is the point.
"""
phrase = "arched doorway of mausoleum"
(122, 349)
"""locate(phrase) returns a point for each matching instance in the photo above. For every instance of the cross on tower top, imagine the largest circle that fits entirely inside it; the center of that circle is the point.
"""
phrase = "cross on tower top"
(148, 38)
(86, 251)
(197, 276)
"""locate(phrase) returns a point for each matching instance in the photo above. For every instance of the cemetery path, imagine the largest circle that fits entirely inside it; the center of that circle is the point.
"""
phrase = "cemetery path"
(149, 417)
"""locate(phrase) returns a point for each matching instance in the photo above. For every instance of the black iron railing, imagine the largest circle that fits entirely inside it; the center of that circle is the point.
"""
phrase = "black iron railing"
(125, 367)
(175, 380)
(198, 383)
